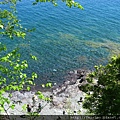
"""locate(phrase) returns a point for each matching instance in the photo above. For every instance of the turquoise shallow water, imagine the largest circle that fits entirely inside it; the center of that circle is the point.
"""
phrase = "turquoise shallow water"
(67, 39)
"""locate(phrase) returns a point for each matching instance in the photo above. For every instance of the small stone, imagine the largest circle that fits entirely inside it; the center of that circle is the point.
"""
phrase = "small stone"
(54, 70)
(71, 72)
(55, 84)
(80, 100)
(75, 71)
(81, 80)
(74, 111)
(28, 108)
(39, 107)
(63, 112)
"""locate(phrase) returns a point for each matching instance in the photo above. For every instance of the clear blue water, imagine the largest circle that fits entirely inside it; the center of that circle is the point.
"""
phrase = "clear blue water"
(68, 38)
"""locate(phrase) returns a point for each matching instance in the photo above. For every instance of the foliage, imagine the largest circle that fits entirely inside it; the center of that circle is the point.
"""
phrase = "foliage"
(103, 89)
(12, 75)
(69, 3)
(9, 23)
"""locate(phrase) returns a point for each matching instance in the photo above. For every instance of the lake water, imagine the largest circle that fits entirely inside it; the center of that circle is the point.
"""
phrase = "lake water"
(68, 38)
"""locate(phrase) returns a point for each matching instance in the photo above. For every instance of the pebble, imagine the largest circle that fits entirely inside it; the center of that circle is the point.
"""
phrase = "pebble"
(54, 70)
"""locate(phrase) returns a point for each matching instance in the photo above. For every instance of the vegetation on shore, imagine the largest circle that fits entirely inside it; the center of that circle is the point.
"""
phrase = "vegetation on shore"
(103, 95)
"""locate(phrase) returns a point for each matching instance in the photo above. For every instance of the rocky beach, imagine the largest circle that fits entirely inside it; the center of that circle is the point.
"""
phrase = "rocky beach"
(65, 98)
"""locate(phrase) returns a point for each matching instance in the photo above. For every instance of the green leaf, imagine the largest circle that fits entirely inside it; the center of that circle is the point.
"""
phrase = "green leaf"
(8, 101)
(47, 99)
(34, 75)
(89, 80)
(33, 57)
(114, 58)
(21, 76)
(96, 67)
(12, 106)
(26, 65)
(1, 26)
(24, 107)
(7, 88)
(39, 93)
(41, 96)
(23, 35)
(55, 4)
(49, 85)
(14, 87)
(1, 109)
(28, 88)
(92, 74)
(2, 91)
(10, 95)
(1, 82)
(30, 82)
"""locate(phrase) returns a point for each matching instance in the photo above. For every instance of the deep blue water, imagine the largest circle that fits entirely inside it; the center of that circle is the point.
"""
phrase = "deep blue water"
(68, 38)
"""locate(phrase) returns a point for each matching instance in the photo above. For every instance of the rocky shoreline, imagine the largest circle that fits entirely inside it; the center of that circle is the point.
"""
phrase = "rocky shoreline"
(66, 98)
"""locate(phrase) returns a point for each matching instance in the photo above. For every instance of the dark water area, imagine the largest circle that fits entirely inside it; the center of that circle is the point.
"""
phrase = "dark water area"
(68, 38)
